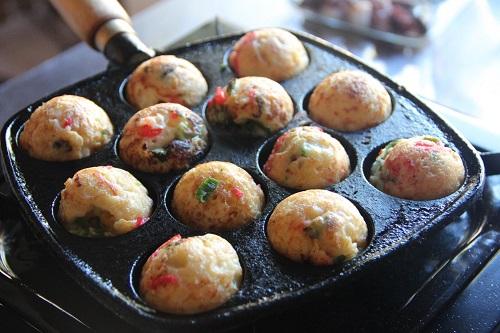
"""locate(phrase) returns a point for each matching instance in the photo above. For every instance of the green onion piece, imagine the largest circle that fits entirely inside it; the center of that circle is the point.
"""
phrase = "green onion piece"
(432, 139)
(305, 149)
(206, 189)
(314, 229)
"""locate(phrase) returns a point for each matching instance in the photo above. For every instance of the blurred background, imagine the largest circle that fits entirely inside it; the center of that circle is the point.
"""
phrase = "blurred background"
(31, 31)
(444, 50)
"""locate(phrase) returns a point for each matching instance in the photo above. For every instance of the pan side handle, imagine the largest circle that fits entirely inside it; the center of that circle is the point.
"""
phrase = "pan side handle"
(491, 163)
(105, 26)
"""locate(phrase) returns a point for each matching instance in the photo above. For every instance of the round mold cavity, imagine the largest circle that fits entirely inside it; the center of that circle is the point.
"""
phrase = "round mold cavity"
(169, 195)
(372, 156)
(231, 130)
(266, 148)
(136, 272)
(307, 97)
(122, 93)
(153, 193)
(310, 273)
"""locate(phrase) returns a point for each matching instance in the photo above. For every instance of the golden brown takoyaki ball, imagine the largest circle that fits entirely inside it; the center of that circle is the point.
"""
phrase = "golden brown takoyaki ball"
(66, 128)
(418, 168)
(255, 105)
(271, 52)
(305, 158)
(166, 78)
(317, 226)
(191, 275)
(350, 100)
(103, 201)
(217, 195)
(163, 137)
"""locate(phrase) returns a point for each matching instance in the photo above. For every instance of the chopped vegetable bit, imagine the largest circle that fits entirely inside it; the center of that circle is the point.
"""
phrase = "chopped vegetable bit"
(183, 131)
(162, 280)
(174, 116)
(315, 229)
(432, 138)
(160, 154)
(306, 149)
(237, 192)
(219, 96)
(68, 122)
(87, 226)
(148, 131)
(172, 239)
(206, 189)
(140, 221)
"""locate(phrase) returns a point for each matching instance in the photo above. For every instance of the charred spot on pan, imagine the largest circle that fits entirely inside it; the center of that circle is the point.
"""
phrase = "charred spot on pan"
(62, 145)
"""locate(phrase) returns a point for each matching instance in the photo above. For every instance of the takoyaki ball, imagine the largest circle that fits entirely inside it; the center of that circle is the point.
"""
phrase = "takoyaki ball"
(317, 226)
(305, 158)
(217, 196)
(66, 128)
(271, 52)
(349, 101)
(163, 137)
(191, 275)
(255, 105)
(103, 201)
(166, 78)
(419, 168)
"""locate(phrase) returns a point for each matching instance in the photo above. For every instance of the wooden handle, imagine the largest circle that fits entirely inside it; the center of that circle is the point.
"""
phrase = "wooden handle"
(87, 17)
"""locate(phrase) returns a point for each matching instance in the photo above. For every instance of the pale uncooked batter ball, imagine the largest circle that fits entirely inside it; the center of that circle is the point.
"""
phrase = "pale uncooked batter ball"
(306, 157)
(191, 275)
(350, 101)
(166, 78)
(317, 226)
(217, 195)
(103, 201)
(256, 105)
(271, 52)
(419, 168)
(163, 137)
(66, 128)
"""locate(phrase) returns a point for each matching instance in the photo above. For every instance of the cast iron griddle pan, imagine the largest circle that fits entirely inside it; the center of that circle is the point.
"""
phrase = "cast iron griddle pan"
(109, 268)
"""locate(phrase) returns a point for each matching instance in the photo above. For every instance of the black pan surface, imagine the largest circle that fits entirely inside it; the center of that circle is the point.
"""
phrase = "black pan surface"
(108, 268)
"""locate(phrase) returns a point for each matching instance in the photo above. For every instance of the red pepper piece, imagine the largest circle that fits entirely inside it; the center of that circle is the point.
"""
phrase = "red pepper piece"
(166, 244)
(68, 122)
(140, 221)
(427, 145)
(162, 280)
(251, 95)
(249, 37)
(219, 96)
(148, 131)
(237, 192)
